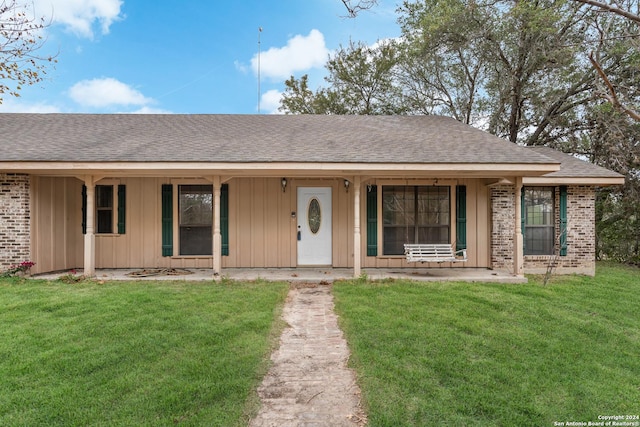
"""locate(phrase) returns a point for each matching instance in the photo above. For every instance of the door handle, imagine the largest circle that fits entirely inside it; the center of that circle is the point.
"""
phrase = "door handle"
(299, 235)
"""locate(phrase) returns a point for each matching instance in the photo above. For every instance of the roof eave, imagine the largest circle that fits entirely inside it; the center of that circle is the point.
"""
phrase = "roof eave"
(592, 181)
(275, 168)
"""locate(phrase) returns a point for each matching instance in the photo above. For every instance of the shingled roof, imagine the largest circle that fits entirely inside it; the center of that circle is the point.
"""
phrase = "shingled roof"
(572, 167)
(253, 138)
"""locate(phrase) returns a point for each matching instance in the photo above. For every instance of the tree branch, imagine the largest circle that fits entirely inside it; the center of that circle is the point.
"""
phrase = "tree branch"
(359, 6)
(612, 9)
(612, 96)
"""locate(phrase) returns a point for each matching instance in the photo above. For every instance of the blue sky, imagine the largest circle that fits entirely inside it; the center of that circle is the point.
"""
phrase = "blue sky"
(189, 56)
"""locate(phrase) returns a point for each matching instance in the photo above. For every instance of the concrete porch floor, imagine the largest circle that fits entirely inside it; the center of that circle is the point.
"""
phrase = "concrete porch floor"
(310, 274)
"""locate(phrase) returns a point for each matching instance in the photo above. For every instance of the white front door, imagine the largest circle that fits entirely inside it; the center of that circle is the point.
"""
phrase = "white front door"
(314, 226)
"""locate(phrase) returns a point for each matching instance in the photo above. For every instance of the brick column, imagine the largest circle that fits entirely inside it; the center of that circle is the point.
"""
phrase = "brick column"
(15, 219)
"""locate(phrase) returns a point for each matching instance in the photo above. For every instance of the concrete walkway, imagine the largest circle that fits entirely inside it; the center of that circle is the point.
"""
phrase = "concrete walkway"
(312, 275)
(309, 383)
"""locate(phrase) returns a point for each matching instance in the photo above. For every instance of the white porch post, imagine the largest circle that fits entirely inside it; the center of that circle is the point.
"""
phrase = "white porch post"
(518, 250)
(89, 237)
(217, 236)
(357, 244)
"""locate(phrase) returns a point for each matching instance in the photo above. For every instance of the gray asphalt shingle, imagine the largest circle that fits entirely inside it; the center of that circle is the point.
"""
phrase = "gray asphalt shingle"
(572, 167)
(252, 138)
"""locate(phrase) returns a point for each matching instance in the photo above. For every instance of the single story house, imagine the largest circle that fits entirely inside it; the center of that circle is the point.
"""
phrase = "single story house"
(219, 191)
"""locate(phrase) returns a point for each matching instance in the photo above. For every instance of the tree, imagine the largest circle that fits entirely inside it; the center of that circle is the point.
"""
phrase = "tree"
(361, 81)
(20, 38)
(442, 71)
(511, 67)
(298, 98)
(562, 73)
(619, 89)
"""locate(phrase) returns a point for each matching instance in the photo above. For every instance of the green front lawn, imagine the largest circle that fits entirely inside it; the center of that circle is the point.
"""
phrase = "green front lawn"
(133, 353)
(179, 353)
(469, 354)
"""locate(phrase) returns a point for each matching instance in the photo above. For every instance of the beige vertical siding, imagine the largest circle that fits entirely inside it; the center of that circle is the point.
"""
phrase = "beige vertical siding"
(262, 230)
(56, 233)
(141, 245)
(260, 223)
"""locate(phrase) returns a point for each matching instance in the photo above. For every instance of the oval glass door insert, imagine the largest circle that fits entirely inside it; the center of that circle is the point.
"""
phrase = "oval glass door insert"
(314, 216)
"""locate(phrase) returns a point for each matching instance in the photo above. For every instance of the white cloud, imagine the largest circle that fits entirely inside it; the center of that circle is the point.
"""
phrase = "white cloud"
(301, 53)
(11, 105)
(270, 101)
(148, 110)
(80, 16)
(105, 92)
(241, 67)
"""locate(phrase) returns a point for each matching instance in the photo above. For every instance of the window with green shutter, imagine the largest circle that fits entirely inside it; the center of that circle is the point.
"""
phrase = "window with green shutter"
(415, 214)
(105, 206)
(538, 212)
(167, 218)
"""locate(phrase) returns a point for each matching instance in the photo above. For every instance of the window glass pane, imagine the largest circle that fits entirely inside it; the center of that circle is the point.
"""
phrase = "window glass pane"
(415, 215)
(104, 196)
(196, 240)
(538, 240)
(434, 234)
(314, 215)
(104, 208)
(104, 221)
(433, 206)
(195, 204)
(398, 205)
(394, 239)
(539, 206)
(539, 221)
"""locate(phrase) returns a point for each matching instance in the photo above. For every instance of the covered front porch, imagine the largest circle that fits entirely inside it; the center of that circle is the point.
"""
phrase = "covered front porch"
(257, 223)
(303, 274)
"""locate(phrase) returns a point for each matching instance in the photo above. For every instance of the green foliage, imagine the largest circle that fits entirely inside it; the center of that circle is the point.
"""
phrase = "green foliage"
(618, 226)
(361, 81)
(133, 353)
(495, 355)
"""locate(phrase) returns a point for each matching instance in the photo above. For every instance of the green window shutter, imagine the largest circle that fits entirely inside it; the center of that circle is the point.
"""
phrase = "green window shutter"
(84, 209)
(372, 221)
(461, 217)
(523, 217)
(224, 218)
(167, 220)
(563, 221)
(122, 202)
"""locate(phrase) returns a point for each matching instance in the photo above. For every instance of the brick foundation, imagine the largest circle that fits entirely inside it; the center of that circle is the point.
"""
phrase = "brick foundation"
(15, 219)
(581, 233)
